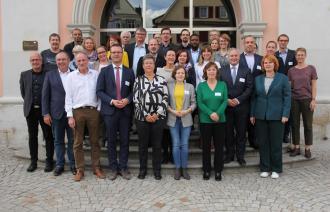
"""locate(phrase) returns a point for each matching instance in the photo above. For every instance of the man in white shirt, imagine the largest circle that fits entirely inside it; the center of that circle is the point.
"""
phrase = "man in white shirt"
(82, 107)
(53, 111)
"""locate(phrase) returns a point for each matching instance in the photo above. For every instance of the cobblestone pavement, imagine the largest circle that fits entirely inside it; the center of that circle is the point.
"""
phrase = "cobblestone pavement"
(304, 188)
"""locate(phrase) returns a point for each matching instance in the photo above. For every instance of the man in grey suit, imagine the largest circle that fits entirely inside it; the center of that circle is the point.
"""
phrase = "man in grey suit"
(53, 111)
(31, 82)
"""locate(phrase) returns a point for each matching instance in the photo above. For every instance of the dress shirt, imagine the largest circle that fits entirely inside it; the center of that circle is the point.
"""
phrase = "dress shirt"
(64, 77)
(195, 55)
(249, 60)
(139, 51)
(81, 91)
(283, 55)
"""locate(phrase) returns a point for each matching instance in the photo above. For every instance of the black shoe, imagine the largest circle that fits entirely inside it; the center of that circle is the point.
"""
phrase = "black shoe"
(58, 171)
(73, 170)
(158, 176)
(32, 167)
(165, 159)
(241, 162)
(218, 176)
(228, 159)
(142, 174)
(206, 176)
(49, 166)
(286, 139)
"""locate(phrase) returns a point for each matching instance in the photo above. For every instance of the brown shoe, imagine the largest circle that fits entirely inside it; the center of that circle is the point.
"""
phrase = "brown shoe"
(295, 152)
(308, 153)
(79, 175)
(99, 173)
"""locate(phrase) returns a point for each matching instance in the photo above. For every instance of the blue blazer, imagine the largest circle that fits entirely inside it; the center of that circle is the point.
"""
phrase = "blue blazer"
(257, 64)
(290, 61)
(276, 103)
(53, 95)
(106, 89)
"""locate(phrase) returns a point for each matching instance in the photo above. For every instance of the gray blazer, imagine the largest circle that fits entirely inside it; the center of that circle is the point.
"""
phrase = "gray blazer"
(189, 101)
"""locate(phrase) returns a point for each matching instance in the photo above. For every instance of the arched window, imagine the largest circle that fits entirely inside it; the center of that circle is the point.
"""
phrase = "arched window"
(199, 16)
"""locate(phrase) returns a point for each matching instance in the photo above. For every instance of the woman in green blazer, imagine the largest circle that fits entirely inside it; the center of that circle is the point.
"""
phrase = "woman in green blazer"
(270, 109)
(212, 102)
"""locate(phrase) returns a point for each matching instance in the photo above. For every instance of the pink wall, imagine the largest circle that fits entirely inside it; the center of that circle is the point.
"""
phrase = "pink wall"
(65, 18)
(1, 55)
(270, 15)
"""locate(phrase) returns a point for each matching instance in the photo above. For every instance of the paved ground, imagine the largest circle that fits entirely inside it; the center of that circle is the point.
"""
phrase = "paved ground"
(305, 188)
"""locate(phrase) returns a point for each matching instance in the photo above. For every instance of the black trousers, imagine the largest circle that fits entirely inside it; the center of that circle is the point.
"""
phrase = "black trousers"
(33, 120)
(270, 137)
(236, 131)
(217, 132)
(153, 133)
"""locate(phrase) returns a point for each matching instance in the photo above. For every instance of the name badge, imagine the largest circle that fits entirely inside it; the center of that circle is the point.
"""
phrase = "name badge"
(217, 94)
(241, 79)
(290, 63)
(186, 92)
(259, 67)
(126, 83)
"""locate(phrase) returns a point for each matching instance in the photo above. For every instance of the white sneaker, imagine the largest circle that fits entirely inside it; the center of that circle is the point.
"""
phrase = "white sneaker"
(275, 175)
(264, 174)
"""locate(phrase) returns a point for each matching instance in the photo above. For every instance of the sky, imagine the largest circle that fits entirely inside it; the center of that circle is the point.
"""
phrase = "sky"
(154, 8)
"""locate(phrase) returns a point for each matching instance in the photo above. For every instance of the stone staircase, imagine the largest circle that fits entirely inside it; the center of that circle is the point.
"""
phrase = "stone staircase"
(195, 157)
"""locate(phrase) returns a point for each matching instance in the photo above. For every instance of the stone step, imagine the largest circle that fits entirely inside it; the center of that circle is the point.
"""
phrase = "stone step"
(194, 164)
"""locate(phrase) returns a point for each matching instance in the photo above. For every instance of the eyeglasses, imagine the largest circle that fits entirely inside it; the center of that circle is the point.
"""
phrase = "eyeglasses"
(101, 52)
(283, 40)
(116, 52)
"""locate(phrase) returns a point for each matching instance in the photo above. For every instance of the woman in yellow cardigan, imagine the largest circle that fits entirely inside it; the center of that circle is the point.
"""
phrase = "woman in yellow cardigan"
(115, 39)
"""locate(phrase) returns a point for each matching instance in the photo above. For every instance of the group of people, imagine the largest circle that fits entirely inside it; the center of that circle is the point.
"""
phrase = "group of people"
(160, 87)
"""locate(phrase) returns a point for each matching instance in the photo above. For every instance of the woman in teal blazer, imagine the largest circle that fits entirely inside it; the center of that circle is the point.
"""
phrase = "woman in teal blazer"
(270, 109)
(212, 101)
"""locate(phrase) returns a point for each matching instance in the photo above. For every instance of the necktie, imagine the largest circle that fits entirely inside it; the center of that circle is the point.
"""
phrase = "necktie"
(118, 84)
(233, 74)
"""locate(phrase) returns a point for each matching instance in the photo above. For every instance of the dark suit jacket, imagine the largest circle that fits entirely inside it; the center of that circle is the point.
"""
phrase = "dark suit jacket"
(290, 61)
(160, 62)
(53, 95)
(106, 89)
(243, 86)
(257, 64)
(68, 49)
(130, 52)
(276, 103)
(25, 83)
(162, 50)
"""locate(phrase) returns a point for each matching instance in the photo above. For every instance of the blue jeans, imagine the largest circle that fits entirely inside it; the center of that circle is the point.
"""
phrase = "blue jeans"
(180, 137)
(59, 127)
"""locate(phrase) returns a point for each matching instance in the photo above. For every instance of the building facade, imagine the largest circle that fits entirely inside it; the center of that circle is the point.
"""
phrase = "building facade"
(35, 20)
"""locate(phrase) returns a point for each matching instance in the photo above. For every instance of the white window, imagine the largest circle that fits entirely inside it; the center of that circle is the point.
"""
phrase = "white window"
(203, 12)
(223, 12)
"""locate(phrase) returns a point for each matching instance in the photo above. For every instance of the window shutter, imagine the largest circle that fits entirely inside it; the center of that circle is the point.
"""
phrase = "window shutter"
(217, 10)
(196, 15)
(210, 12)
(186, 12)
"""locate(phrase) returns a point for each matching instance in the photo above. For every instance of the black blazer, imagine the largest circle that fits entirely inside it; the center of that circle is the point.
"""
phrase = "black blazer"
(53, 95)
(106, 89)
(160, 62)
(25, 83)
(257, 64)
(68, 49)
(243, 86)
(290, 61)
(130, 52)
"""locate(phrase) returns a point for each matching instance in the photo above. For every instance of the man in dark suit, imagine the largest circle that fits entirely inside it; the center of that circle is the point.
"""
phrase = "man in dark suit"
(194, 51)
(53, 111)
(115, 89)
(31, 82)
(137, 49)
(239, 84)
(288, 60)
(166, 35)
(185, 37)
(77, 40)
(252, 61)
(153, 47)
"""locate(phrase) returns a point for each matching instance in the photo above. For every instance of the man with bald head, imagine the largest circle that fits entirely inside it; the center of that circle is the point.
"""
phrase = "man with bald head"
(31, 83)
(82, 107)
(53, 111)
(239, 84)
